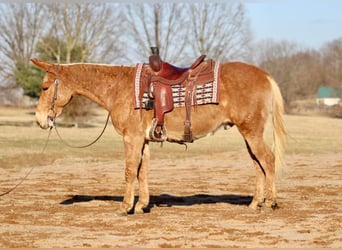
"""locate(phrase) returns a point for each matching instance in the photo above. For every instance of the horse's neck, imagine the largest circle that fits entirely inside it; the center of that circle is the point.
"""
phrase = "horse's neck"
(100, 83)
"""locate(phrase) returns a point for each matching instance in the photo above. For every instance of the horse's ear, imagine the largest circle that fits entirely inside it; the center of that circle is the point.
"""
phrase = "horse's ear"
(41, 64)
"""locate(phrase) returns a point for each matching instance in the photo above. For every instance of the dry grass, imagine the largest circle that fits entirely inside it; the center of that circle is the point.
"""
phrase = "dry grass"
(314, 134)
(21, 146)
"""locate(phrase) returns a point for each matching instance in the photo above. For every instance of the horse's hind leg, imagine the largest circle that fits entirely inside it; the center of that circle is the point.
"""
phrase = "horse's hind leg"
(264, 162)
(258, 198)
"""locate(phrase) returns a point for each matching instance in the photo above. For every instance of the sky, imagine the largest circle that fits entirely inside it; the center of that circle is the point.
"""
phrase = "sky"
(311, 23)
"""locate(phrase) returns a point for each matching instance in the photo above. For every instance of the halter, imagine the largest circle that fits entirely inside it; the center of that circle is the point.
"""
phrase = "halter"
(54, 98)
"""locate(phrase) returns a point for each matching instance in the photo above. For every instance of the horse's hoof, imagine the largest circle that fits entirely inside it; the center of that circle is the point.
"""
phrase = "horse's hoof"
(274, 206)
(140, 206)
(121, 213)
(255, 205)
(124, 210)
(271, 204)
(138, 211)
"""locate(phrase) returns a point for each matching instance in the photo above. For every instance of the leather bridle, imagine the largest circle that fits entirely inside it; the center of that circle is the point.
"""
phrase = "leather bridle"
(54, 98)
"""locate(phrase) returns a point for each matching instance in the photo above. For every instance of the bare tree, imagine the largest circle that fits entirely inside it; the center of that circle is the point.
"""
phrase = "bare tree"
(88, 26)
(269, 50)
(185, 31)
(156, 25)
(220, 30)
(306, 74)
(332, 52)
(299, 72)
(20, 27)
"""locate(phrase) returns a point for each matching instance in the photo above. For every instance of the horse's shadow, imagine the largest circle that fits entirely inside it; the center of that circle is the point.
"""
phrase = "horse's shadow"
(166, 200)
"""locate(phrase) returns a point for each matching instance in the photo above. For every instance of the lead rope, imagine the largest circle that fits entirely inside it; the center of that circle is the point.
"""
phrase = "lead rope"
(89, 144)
(45, 145)
(29, 172)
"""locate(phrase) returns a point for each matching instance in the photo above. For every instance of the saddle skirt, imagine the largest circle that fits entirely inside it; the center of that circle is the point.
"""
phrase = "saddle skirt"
(205, 92)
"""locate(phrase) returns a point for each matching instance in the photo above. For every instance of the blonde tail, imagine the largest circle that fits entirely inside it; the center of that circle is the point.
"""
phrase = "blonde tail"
(279, 131)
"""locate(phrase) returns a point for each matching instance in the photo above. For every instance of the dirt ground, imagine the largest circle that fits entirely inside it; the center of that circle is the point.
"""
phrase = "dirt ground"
(196, 201)
(199, 202)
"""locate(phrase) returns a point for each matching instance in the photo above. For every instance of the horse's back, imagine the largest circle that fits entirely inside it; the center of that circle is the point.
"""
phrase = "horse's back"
(243, 75)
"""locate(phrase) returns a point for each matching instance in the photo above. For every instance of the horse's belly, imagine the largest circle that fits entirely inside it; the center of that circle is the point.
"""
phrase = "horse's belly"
(205, 120)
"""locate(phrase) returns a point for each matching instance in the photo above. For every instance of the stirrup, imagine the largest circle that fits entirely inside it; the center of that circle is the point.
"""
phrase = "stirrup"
(158, 136)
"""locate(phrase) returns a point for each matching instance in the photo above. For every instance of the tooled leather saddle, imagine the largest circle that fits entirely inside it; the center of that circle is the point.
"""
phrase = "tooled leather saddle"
(157, 79)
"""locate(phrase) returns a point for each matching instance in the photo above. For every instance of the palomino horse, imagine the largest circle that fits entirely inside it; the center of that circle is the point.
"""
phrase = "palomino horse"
(247, 96)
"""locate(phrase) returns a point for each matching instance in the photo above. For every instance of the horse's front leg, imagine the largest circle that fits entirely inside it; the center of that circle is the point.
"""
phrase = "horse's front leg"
(144, 196)
(133, 155)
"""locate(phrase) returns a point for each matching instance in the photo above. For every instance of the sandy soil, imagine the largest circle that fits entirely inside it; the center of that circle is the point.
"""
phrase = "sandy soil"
(199, 201)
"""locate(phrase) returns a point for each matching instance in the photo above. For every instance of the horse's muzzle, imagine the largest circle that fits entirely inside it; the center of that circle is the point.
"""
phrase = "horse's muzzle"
(44, 121)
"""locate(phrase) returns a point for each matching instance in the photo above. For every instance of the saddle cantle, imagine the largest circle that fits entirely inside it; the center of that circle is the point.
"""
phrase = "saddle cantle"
(157, 80)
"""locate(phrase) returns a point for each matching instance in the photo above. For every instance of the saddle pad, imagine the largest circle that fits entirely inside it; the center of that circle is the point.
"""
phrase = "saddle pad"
(205, 94)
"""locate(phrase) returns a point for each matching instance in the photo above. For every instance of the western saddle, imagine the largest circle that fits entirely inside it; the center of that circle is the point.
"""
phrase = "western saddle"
(161, 76)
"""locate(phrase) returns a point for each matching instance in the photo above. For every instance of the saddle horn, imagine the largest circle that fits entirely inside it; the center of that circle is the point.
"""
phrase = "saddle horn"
(154, 59)
(155, 50)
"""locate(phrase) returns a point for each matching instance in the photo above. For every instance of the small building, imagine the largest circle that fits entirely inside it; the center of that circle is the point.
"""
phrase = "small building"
(329, 96)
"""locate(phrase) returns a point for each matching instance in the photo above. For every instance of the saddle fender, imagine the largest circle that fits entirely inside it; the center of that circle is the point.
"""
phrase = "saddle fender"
(163, 101)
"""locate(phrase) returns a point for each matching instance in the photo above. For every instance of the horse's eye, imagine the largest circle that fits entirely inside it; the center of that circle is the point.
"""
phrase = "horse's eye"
(44, 88)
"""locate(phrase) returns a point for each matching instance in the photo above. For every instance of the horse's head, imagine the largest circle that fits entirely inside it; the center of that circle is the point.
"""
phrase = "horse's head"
(54, 95)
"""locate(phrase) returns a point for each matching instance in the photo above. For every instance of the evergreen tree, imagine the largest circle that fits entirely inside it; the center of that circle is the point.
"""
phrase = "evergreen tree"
(29, 78)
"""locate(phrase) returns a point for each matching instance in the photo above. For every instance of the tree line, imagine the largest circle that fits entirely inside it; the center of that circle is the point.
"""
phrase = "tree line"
(122, 33)
(300, 71)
